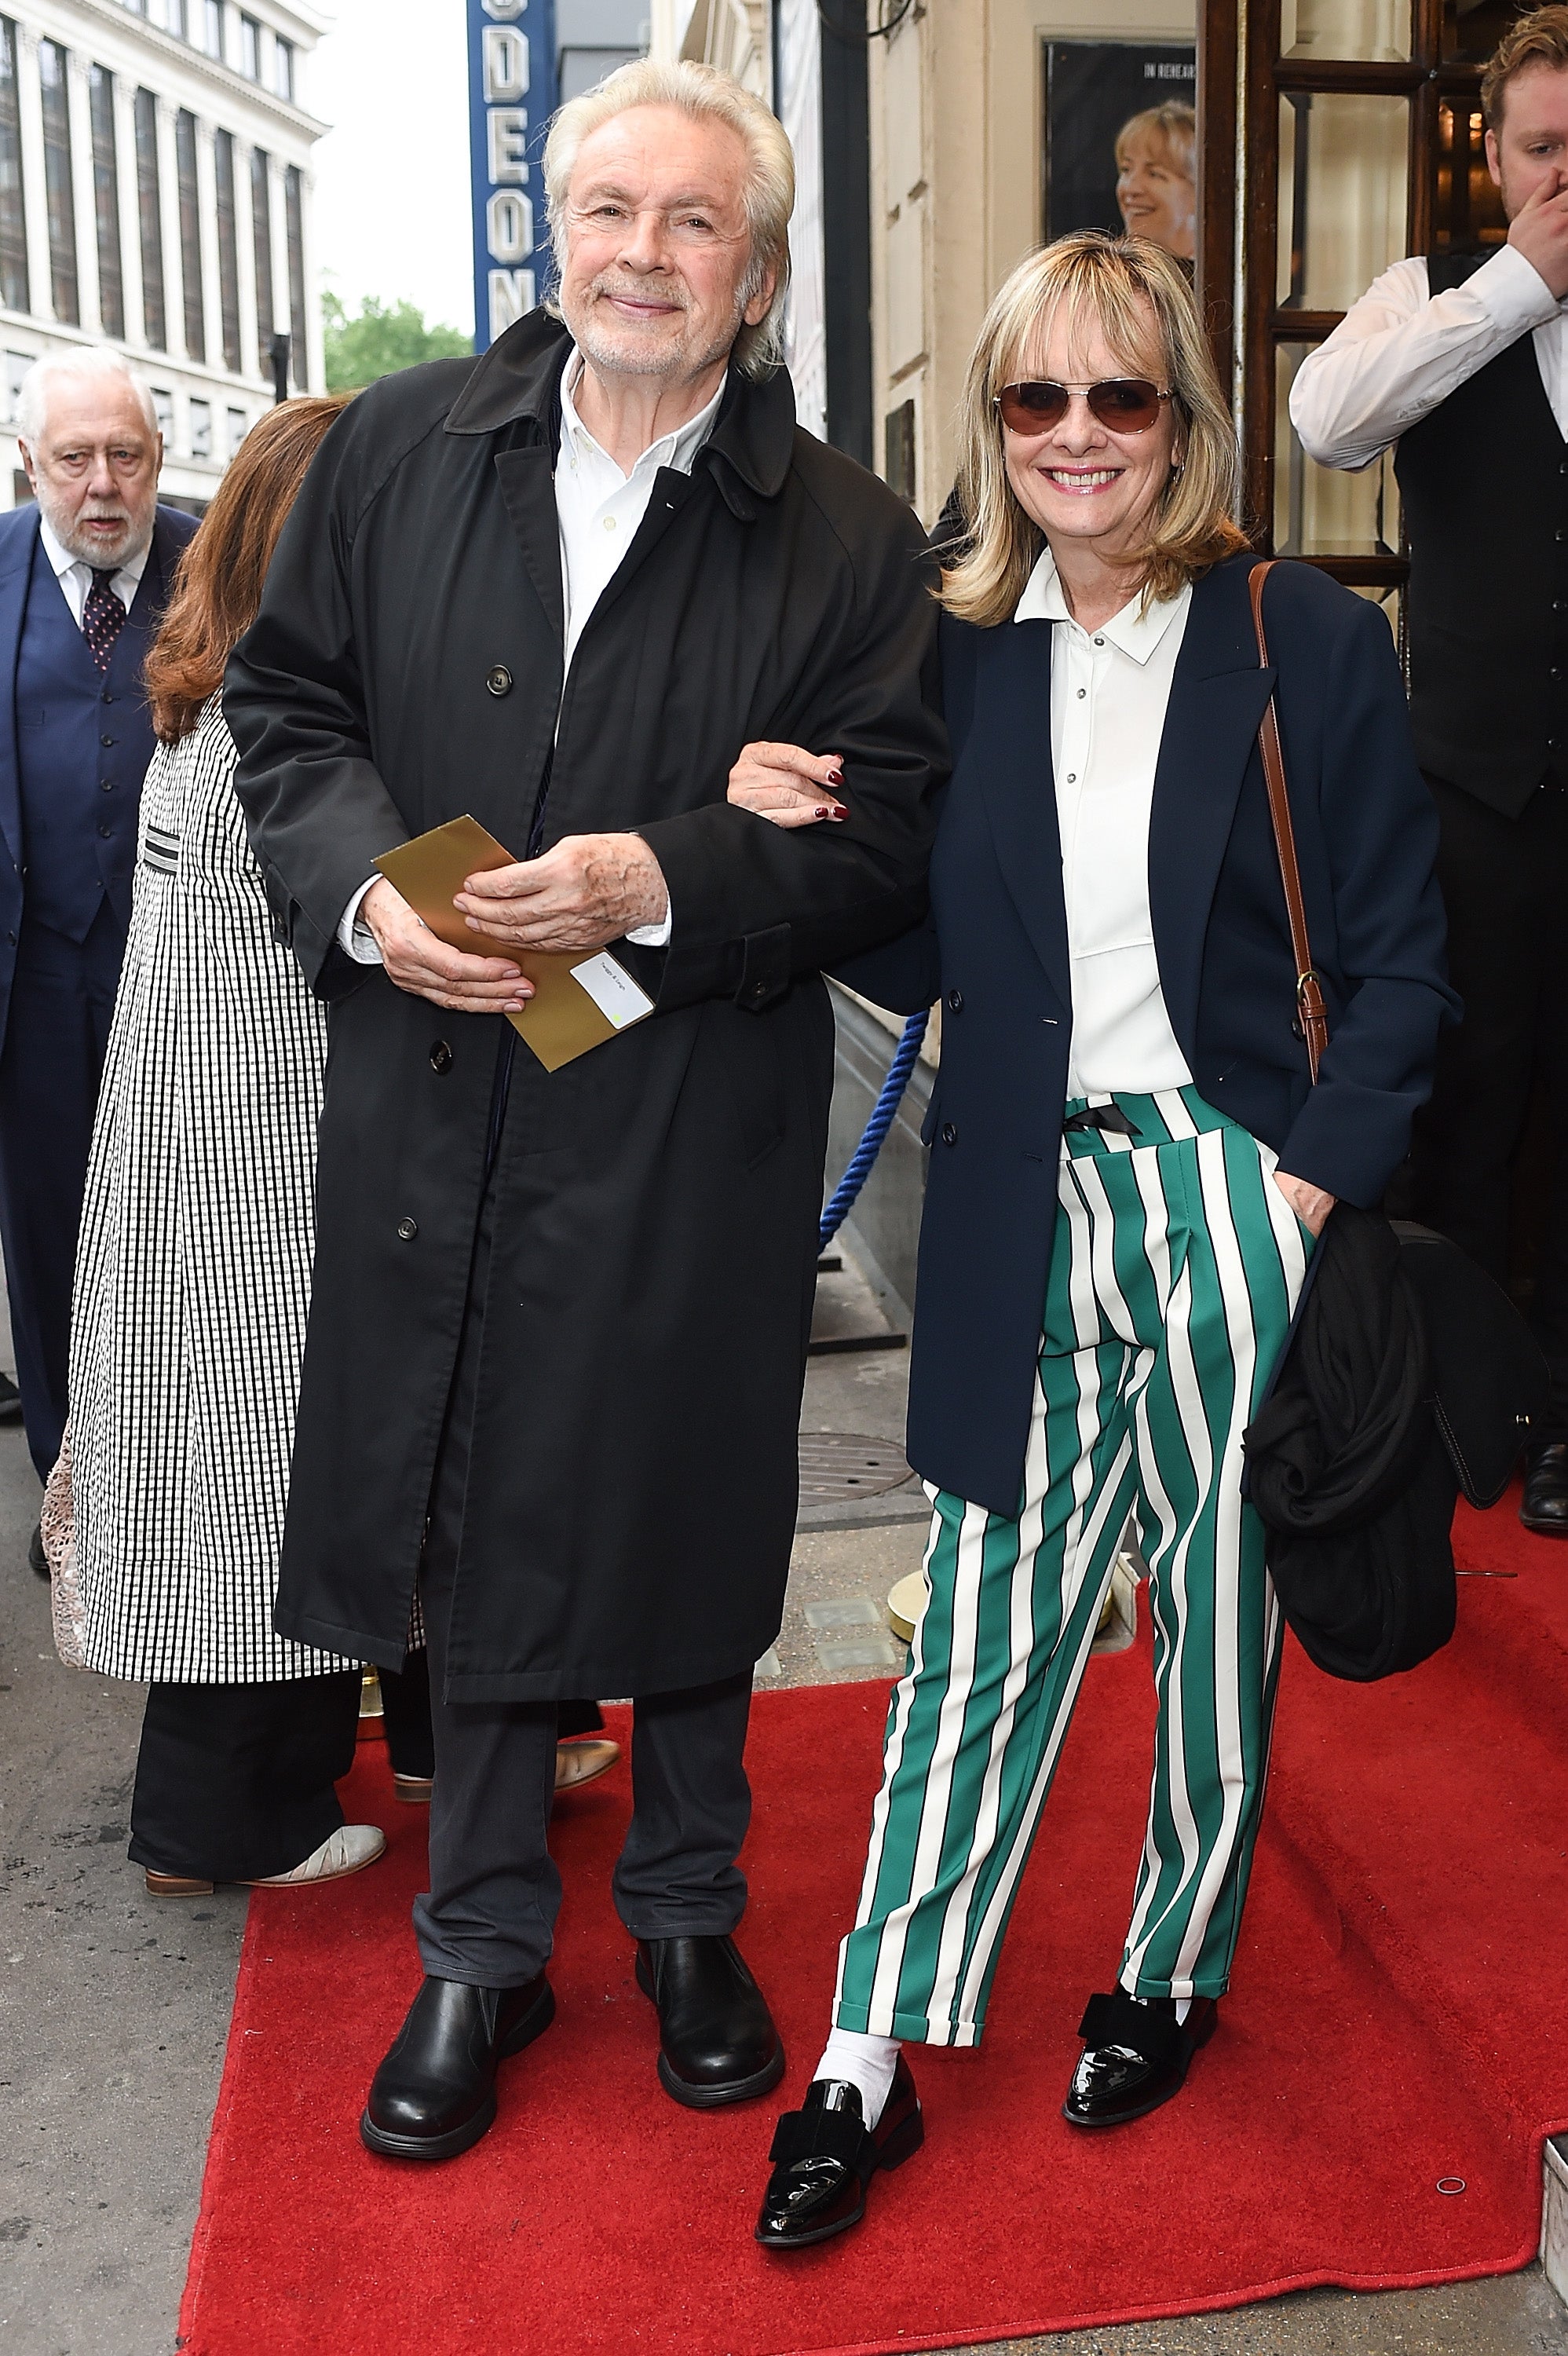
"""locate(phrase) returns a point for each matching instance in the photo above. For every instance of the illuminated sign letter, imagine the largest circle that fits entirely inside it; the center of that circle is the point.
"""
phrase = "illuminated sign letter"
(512, 96)
(505, 67)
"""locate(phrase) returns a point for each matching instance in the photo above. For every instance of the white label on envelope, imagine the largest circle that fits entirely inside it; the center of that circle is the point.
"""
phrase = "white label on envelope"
(613, 991)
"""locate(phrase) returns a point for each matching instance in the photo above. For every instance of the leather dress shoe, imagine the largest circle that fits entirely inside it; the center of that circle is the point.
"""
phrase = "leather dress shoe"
(38, 1560)
(717, 2039)
(1544, 1507)
(434, 2094)
(824, 2159)
(1137, 2056)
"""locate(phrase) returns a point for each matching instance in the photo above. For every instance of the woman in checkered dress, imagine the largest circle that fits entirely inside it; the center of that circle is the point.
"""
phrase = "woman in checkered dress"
(192, 1280)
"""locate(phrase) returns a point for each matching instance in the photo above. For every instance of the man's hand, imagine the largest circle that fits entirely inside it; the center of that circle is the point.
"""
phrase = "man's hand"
(1539, 232)
(591, 889)
(787, 784)
(424, 966)
(1309, 1203)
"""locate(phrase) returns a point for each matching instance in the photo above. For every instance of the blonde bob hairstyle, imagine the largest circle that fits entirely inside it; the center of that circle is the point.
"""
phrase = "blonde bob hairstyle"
(1116, 281)
(706, 95)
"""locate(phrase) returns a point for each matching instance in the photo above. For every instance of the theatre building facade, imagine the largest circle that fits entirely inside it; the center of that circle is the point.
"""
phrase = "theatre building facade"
(155, 195)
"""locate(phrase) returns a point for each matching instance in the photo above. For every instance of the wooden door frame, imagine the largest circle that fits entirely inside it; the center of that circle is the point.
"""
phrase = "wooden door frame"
(1240, 80)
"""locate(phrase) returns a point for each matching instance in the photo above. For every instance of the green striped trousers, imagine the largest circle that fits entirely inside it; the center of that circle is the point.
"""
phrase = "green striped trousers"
(1177, 1265)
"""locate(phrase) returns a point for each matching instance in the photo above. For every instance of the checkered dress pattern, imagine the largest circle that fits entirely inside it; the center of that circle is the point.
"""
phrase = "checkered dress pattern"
(193, 1268)
(102, 618)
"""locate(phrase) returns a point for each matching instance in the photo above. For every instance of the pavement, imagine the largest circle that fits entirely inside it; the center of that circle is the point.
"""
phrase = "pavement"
(114, 2009)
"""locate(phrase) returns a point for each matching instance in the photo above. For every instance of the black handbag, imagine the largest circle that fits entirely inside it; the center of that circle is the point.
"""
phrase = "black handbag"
(1407, 1376)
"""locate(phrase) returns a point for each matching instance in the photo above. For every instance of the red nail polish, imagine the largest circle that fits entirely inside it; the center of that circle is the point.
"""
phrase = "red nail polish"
(837, 815)
(821, 810)
(835, 776)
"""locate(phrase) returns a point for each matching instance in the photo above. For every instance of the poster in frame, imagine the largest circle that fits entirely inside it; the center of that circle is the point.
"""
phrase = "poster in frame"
(1117, 146)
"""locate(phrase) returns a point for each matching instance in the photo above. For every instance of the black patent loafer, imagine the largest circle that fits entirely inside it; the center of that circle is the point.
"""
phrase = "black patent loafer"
(1544, 1507)
(717, 2039)
(434, 2094)
(1138, 2057)
(824, 2159)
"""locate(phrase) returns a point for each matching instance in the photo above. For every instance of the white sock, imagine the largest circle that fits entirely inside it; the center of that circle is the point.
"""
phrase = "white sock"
(867, 2062)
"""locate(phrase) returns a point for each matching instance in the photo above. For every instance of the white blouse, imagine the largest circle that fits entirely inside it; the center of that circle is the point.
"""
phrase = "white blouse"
(1109, 691)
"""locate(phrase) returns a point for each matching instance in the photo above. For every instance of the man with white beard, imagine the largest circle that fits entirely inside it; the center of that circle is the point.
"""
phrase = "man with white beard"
(84, 575)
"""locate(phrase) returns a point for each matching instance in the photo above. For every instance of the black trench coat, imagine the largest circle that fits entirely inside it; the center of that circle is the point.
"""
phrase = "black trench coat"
(632, 1492)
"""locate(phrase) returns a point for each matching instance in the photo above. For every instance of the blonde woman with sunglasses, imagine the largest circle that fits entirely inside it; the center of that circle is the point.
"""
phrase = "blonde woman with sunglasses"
(1130, 1166)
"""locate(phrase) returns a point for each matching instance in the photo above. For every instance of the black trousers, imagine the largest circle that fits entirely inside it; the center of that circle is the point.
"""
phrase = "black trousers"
(489, 1917)
(57, 1031)
(236, 1783)
(1505, 885)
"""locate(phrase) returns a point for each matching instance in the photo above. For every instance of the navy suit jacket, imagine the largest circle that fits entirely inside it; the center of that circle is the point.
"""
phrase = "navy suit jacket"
(995, 949)
(18, 539)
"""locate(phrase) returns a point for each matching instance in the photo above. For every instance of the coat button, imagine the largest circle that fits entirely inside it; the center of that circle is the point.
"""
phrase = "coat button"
(949, 1133)
(440, 1056)
(106, 740)
(955, 1001)
(106, 785)
(759, 989)
(105, 831)
(498, 680)
(407, 1230)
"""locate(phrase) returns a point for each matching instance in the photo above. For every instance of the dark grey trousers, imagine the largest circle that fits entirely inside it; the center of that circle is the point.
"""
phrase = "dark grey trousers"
(489, 1917)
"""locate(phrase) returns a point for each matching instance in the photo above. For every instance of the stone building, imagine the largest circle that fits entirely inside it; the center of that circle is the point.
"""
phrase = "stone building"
(154, 194)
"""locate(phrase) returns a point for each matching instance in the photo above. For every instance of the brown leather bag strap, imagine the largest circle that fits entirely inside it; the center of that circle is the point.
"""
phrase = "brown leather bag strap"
(1311, 1011)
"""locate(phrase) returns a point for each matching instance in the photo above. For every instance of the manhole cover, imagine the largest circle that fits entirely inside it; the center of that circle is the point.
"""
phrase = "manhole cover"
(839, 1464)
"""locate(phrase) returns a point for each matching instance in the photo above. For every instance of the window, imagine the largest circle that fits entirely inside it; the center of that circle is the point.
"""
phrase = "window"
(149, 222)
(283, 68)
(175, 18)
(200, 429)
(14, 289)
(212, 27)
(17, 367)
(261, 235)
(239, 426)
(106, 203)
(293, 206)
(190, 233)
(59, 200)
(164, 411)
(228, 249)
(250, 48)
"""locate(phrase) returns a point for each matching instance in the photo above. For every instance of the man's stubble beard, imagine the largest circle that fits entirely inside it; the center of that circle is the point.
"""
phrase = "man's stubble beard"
(680, 362)
(77, 543)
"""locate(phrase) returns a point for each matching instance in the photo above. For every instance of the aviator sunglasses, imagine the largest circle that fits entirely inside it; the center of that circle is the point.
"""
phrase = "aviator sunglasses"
(1125, 404)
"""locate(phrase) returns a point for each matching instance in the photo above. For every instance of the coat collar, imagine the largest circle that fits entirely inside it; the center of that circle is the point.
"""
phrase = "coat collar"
(1217, 699)
(518, 382)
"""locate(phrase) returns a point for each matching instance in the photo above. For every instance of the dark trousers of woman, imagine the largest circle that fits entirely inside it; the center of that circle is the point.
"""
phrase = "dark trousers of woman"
(236, 1783)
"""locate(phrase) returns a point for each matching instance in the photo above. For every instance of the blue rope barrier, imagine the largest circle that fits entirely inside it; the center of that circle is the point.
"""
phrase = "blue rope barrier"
(877, 1127)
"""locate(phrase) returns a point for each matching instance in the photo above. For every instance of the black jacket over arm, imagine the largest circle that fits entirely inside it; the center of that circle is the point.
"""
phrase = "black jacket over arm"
(632, 1492)
(996, 948)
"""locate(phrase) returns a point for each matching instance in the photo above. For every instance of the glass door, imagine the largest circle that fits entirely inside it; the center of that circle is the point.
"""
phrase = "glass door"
(1334, 136)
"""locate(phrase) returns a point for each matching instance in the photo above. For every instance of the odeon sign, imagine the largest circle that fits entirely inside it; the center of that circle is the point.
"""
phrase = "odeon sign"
(512, 95)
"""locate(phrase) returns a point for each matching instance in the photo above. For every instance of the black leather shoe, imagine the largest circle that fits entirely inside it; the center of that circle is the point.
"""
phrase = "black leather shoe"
(38, 1560)
(1545, 1503)
(1137, 2058)
(10, 1401)
(824, 2159)
(717, 2039)
(434, 2094)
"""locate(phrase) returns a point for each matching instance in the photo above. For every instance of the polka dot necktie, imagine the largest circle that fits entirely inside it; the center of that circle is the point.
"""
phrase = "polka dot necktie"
(102, 620)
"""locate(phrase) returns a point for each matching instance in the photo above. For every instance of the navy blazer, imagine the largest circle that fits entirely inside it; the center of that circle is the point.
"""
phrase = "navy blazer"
(995, 949)
(19, 538)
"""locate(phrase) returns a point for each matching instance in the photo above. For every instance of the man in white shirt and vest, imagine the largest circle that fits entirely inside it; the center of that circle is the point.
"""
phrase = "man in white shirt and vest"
(1461, 359)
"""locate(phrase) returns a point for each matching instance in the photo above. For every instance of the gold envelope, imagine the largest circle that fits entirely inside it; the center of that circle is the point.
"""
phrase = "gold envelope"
(562, 1019)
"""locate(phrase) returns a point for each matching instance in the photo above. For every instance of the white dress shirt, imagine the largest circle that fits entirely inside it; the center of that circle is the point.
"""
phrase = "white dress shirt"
(597, 509)
(1400, 351)
(75, 578)
(1109, 691)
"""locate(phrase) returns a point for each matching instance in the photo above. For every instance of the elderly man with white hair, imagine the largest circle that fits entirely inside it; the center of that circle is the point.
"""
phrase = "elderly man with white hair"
(557, 1338)
(84, 575)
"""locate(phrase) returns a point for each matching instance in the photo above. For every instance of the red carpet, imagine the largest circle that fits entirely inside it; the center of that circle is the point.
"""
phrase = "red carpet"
(1397, 2017)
